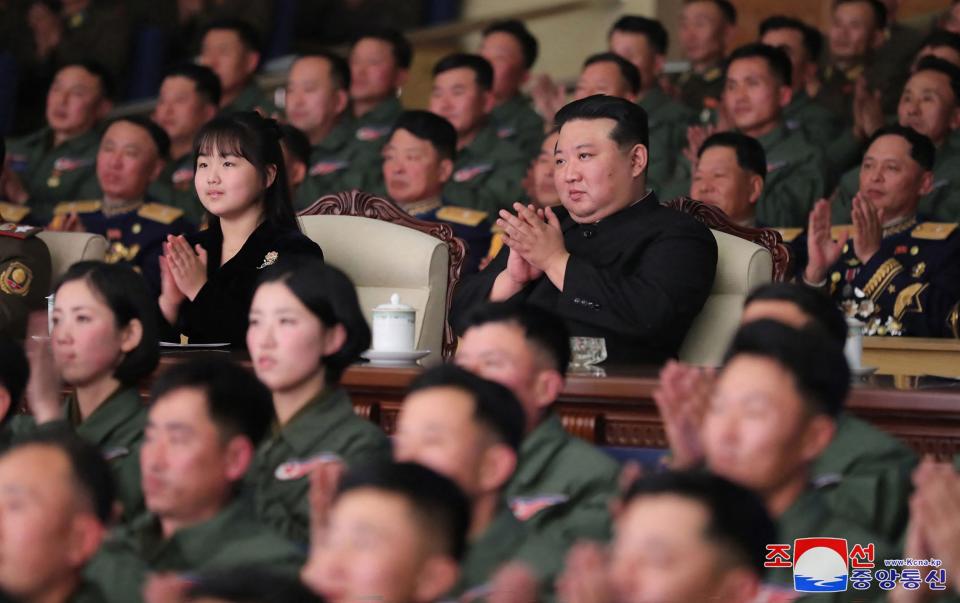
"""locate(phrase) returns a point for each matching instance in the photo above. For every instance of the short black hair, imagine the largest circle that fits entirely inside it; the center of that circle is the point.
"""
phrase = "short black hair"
(942, 37)
(14, 373)
(399, 45)
(330, 295)
(945, 67)
(816, 304)
(654, 30)
(296, 143)
(495, 406)
(339, 67)
(519, 31)
(727, 9)
(480, 67)
(812, 38)
(750, 153)
(431, 127)
(92, 474)
(107, 84)
(250, 584)
(628, 71)
(631, 119)
(204, 80)
(236, 401)
(439, 506)
(738, 520)
(922, 149)
(126, 294)
(157, 134)
(879, 10)
(245, 31)
(810, 354)
(777, 60)
(541, 328)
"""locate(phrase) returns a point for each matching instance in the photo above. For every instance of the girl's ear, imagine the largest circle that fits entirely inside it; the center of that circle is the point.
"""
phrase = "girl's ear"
(271, 175)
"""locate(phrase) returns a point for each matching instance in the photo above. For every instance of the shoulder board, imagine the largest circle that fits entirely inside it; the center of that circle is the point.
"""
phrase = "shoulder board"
(712, 74)
(837, 231)
(11, 212)
(9, 229)
(79, 207)
(789, 234)
(158, 212)
(933, 231)
(461, 215)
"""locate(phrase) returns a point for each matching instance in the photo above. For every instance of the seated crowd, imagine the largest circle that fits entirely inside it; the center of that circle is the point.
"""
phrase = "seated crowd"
(256, 482)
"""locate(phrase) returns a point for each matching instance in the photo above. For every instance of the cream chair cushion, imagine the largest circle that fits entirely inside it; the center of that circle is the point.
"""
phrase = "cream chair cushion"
(384, 258)
(68, 248)
(741, 267)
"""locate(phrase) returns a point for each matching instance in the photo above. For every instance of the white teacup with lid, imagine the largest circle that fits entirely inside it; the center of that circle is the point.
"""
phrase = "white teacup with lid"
(394, 326)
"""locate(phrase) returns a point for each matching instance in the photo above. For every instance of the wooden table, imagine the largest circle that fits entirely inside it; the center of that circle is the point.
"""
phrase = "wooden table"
(912, 355)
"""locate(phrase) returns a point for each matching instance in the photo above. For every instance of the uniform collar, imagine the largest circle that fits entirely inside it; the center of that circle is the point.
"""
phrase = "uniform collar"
(483, 145)
(323, 414)
(654, 99)
(119, 408)
(803, 517)
(77, 144)
(899, 225)
(515, 103)
(337, 138)
(421, 207)
(539, 447)
(386, 111)
(191, 545)
(777, 135)
(124, 208)
(646, 203)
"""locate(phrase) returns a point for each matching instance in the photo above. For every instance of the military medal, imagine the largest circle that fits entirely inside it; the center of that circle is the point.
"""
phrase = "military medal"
(54, 180)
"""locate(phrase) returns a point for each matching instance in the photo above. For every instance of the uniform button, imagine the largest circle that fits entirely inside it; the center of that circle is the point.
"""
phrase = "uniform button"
(587, 233)
(577, 300)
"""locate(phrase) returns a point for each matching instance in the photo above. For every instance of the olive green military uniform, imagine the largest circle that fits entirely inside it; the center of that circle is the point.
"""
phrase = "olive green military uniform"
(51, 175)
(817, 123)
(325, 429)
(371, 131)
(232, 538)
(87, 592)
(487, 174)
(251, 98)
(24, 277)
(866, 473)
(175, 187)
(667, 121)
(890, 67)
(336, 164)
(562, 485)
(517, 121)
(796, 179)
(701, 91)
(836, 90)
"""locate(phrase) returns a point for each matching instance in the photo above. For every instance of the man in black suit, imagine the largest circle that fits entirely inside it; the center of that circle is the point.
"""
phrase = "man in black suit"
(613, 263)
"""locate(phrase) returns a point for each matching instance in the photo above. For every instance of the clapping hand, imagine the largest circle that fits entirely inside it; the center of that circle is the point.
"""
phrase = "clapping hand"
(682, 399)
(867, 228)
(44, 387)
(822, 250)
(536, 236)
(187, 267)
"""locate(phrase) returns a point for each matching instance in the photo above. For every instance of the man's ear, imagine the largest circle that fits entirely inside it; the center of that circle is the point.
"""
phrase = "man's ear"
(6, 402)
(729, 37)
(756, 188)
(104, 107)
(341, 102)
(158, 166)
(817, 436)
(86, 534)
(239, 456)
(497, 464)
(786, 95)
(489, 101)
(437, 577)
(926, 183)
(879, 39)
(659, 62)
(444, 170)
(638, 160)
(251, 62)
(547, 386)
(401, 78)
(954, 122)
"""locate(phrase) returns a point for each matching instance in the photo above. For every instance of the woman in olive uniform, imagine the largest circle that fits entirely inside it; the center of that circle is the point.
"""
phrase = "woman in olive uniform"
(207, 279)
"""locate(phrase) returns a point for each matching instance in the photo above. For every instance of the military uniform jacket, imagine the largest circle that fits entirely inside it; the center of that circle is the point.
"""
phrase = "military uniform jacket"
(836, 90)
(87, 592)
(562, 485)
(371, 131)
(219, 312)
(24, 277)
(325, 429)
(175, 187)
(817, 123)
(637, 279)
(231, 539)
(51, 175)
(472, 226)
(518, 122)
(251, 98)
(487, 174)
(701, 92)
(796, 179)
(911, 286)
(865, 473)
(335, 166)
(667, 121)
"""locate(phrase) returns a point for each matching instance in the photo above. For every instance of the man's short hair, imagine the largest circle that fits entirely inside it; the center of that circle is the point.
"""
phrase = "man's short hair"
(238, 404)
(816, 304)
(750, 154)
(399, 45)
(296, 143)
(628, 71)
(879, 10)
(108, 87)
(727, 9)
(339, 67)
(245, 31)
(776, 59)
(494, 406)
(922, 149)
(738, 520)
(432, 128)
(811, 355)
(157, 134)
(942, 38)
(204, 80)
(812, 38)
(931, 63)
(631, 119)
(439, 506)
(250, 584)
(541, 328)
(91, 473)
(481, 68)
(14, 372)
(517, 29)
(654, 30)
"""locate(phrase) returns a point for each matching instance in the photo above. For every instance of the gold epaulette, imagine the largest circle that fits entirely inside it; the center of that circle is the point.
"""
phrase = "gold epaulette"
(461, 215)
(933, 231)
(789, 234)
(9, 229)
(76, 207)
(836, 232)
(712, 74)
(11, 212)
(158, 212)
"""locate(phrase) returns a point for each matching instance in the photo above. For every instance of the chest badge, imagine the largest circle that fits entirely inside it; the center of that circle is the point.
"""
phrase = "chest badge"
(526, 507)
(298, 468)
(269, 260)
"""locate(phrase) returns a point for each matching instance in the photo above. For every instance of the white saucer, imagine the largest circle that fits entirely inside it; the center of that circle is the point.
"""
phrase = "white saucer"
(404, 358)
(863, 371)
